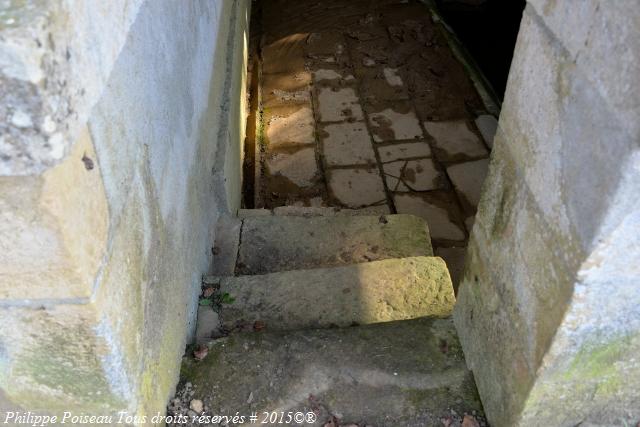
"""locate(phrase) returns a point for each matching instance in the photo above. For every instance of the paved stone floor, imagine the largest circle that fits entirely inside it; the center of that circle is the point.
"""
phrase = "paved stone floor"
(362, 104)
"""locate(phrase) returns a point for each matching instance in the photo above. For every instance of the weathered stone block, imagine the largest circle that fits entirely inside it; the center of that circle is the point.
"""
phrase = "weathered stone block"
(121, 222)
(276, 243)
(51, 76)
(70, 244)
(544, 329)
(370, 292)
(580, 29)
(417, 380)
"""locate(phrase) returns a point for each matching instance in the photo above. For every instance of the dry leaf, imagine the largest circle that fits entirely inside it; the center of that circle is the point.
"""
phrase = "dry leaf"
(469, 421)
(201, 352)
(259, 325)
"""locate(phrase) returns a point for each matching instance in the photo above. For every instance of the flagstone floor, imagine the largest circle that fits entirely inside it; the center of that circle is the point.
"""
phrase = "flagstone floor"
(363, 105)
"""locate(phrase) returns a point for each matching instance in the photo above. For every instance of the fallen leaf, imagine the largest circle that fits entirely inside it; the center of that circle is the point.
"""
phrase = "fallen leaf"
(259, 325)
(208, 292)
(469, 421)
(201, 352)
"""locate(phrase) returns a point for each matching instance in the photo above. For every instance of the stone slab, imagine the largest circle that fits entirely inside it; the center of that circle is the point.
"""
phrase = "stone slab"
(276, 243)
(372, 292)
(467, 178)
(488, 126)
(347, 144)
(298, 166)
(286, 88)
(395, 123)
(338, 104)
(356, 188)
(290, 125)
(549, 308)
(441, 225)
(455, 140)
(409, 373)
(403, 151)
(412, 175)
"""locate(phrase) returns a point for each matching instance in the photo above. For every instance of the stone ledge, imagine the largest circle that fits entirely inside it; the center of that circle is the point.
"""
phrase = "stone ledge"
(365, 293)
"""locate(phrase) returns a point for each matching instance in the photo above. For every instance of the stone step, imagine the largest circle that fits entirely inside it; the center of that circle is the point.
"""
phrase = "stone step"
(312, 211)
(408, 373)
(373, 292)
(278, 243)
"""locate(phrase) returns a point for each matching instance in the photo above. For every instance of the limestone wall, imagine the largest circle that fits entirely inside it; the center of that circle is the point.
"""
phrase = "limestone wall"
(549, 307)
(106, 215)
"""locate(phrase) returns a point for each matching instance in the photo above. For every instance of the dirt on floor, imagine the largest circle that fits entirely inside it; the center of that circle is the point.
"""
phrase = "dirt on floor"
(363, 104)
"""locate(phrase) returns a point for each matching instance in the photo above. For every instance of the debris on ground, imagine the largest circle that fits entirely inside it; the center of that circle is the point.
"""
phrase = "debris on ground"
(196, 405)
(200, 352)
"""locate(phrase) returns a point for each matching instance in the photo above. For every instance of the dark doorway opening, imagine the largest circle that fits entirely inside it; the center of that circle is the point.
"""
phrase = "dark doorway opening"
(488, 29)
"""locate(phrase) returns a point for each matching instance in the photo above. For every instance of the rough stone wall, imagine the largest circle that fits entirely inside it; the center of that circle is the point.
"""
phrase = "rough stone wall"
(102, 249)
(548, 309)
(54, 62)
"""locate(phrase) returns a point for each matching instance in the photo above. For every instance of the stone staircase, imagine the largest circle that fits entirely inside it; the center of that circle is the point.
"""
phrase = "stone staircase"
(332, 312)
